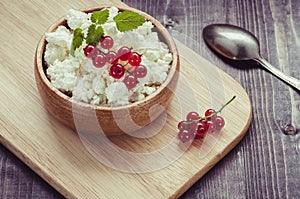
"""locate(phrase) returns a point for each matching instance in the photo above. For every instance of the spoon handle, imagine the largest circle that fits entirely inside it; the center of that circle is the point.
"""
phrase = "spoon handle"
(288, 79)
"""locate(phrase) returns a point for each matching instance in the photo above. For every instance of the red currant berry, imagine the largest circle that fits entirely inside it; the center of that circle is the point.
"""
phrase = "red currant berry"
(111, 57)
(140, 71)
(184, 145)
(130, 81)
(219, 122)
(106, 42)
(134, 59)
(99, 60)
(211, 113)
(192, 116)
(210, 125)
(201, 130)
(182, 125)
(185, 136)
(192, 127)
(89, 50)
(117, 71)
(123, 53)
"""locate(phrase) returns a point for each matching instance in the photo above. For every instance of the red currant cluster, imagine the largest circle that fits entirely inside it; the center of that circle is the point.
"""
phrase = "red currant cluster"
(196, 127)
(120, 62)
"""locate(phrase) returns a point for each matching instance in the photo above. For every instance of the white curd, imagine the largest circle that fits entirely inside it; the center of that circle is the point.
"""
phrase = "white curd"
(94, 85)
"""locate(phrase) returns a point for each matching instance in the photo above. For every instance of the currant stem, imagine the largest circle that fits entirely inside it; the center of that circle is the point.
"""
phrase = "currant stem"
(218, 111)
(213, 114)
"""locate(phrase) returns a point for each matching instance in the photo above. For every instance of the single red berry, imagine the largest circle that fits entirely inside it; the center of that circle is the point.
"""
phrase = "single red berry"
(140, 71)
(210, 125)
(192, 116)
(184, 145)
(134, 59)
(130, 81)
(111, 57)
(123, 53)
(185, 136)
(192, 127)
(96, 52)
(201, 130)
(117, 71)
(99, 60)
(210, 112)
(106, 42)
(182, 125)
(89, 50)
(219, 123)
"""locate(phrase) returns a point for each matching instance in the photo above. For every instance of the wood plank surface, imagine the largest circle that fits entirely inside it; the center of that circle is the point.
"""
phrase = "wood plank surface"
(75, 165)
(266, 163)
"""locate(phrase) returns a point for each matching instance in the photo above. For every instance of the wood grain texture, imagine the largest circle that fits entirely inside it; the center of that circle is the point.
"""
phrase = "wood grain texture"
(266, 163)
(92, 166)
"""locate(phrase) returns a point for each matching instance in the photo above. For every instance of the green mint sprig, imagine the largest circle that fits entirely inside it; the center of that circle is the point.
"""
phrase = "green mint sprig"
(94, 34)
(78, 37)
(125, 21)
(100, 17)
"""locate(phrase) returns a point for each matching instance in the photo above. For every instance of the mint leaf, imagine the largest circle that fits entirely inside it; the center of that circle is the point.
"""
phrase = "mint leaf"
(78, 37)
(127, 20)
(94, 34)
(100, 17)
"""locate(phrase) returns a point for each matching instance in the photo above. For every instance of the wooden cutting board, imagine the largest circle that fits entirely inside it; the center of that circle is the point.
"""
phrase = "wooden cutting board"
(57, 154)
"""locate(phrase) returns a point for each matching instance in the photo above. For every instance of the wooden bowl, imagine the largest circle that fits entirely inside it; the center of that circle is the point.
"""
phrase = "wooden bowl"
(88, 118)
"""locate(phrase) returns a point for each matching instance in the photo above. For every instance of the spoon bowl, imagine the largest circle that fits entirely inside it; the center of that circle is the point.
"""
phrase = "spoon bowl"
(237, 43)
(231, 41)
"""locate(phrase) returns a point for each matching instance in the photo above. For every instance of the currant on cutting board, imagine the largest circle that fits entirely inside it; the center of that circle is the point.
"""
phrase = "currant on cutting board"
(196, 127)
(132, 68)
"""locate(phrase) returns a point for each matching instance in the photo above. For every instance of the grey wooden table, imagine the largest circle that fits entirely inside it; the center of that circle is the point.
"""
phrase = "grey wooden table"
(266, 164)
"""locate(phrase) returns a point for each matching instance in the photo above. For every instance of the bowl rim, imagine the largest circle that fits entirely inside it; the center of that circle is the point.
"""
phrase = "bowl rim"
(168, 39)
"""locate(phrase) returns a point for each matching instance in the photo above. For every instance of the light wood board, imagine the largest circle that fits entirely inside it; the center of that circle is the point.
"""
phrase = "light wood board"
(57, 154)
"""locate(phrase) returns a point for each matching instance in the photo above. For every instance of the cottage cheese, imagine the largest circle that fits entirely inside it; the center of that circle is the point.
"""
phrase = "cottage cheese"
(76, 74)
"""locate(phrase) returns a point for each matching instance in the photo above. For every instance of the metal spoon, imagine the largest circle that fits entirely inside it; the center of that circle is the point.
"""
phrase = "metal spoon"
(239, 44)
